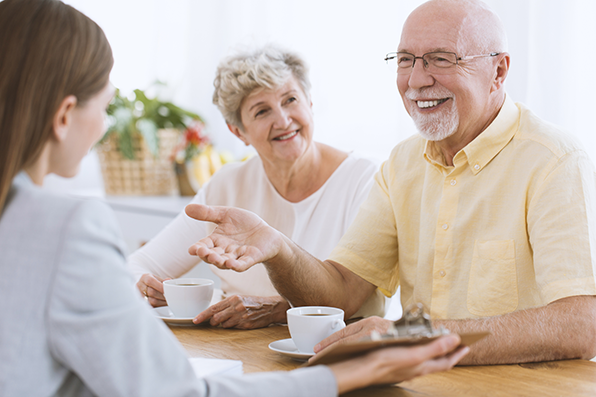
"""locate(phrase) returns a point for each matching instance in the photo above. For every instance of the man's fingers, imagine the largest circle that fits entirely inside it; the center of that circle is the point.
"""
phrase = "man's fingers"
(354, 332)
(205, 213)
(343, 335)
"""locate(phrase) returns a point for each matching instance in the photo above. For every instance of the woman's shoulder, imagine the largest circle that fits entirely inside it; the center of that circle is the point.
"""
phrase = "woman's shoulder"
(50, 221)
(224, 186)
(234, 174)
(237, 170)
(358, 166)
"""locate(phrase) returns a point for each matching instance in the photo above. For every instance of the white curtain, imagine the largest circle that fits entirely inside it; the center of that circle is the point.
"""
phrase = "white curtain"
(356, 103)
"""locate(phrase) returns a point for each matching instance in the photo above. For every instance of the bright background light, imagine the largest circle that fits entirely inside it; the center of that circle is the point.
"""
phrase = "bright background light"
(356, 103)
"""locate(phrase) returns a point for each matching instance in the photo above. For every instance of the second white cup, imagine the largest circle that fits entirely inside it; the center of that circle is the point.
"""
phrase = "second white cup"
(187, 297)
(311, 324)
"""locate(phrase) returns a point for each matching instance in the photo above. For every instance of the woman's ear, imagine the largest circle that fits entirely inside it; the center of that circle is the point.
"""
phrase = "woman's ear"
(238, 132)
(63, 117)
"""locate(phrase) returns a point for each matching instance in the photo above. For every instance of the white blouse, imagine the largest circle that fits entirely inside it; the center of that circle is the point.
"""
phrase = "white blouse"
(316, 223)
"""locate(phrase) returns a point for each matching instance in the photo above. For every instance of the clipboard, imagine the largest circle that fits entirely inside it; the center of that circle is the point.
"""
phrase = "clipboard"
(414, 328)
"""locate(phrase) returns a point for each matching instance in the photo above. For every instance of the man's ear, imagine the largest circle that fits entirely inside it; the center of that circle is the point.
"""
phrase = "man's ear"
(501, 71)
(238, 132)
(63, 117)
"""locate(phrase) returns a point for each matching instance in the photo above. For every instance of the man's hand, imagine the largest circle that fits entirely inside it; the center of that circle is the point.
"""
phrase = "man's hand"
(355, 331)
(245, 312)
(151, 286)
(240, 240)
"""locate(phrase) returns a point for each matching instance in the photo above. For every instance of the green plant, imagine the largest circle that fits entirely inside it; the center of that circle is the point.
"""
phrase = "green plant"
(145, 116)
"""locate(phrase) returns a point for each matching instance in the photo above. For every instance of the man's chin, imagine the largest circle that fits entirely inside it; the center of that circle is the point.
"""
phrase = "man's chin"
(435, 134)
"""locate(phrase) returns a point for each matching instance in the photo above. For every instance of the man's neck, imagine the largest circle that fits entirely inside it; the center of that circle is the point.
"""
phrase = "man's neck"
(451, 145)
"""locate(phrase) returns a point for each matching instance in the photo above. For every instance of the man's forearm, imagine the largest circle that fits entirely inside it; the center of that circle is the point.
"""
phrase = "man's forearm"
(304, 280)
(564, 329)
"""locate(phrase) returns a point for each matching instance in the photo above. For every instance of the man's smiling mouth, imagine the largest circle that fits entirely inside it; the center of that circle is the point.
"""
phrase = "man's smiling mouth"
(430, 104)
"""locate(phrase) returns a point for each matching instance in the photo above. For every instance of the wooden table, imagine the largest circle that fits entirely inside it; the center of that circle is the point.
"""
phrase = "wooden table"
(555, 378)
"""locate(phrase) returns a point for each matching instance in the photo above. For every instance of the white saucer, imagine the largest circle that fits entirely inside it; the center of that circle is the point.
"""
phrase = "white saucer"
(288, 348)
(166, 315)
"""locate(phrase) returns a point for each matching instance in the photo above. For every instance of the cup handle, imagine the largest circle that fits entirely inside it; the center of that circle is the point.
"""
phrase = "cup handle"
(337, 325)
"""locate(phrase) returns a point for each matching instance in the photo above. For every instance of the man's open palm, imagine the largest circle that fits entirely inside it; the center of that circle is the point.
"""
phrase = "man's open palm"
(240, 240)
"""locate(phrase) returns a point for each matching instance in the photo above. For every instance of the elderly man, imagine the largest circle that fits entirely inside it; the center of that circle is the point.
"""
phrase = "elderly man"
(487, 217)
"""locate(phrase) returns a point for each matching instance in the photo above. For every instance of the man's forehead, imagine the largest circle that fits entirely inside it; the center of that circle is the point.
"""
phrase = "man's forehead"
(426, 38)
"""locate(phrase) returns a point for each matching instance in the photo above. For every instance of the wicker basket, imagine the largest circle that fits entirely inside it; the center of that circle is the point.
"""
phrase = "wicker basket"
(145, 175)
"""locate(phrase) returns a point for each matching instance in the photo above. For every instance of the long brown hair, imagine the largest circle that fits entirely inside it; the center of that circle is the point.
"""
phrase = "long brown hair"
(48, 51)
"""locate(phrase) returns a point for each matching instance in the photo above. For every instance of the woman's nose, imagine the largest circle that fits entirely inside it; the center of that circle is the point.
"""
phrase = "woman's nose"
(282, 119)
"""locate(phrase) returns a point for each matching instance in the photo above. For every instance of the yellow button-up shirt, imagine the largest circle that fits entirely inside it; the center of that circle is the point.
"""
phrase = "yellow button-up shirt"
(512, 225)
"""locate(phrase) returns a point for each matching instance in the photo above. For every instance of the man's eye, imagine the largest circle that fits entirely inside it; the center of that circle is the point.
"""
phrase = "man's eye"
(404, 60)
(439, 60)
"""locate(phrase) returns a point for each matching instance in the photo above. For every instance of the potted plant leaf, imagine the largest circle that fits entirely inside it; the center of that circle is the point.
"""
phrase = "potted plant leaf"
(136, 152)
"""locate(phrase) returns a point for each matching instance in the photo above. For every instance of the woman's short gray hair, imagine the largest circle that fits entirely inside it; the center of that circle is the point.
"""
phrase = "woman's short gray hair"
(268, 67)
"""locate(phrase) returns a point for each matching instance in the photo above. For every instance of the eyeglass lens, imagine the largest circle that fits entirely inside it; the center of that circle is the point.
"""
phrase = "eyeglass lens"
(434, 62)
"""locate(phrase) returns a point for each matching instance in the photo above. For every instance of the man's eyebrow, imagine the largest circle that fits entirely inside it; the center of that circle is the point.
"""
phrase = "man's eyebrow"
(438, 49)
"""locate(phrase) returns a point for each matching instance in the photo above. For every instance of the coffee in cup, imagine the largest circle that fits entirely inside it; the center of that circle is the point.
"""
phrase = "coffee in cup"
(187, 297)
(311, 324)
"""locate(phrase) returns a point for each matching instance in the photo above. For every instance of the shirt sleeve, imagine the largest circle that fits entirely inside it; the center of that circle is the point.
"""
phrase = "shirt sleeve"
(369, 247)
(166, 255)
(100, 328)
(304, 382)
(562, 228)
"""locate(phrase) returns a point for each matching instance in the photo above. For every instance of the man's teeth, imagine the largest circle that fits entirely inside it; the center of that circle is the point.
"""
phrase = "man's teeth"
(284, 137)
(429, 104)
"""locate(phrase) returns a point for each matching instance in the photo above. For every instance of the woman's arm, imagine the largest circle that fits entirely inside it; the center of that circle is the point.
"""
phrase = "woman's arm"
(166, 255)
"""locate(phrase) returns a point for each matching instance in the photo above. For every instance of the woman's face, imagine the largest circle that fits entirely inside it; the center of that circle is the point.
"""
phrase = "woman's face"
(87, 126)
(277, 123)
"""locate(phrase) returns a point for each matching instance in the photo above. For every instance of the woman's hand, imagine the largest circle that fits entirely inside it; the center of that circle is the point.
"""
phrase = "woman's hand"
(152, 287)
(245, 312)
(396, 364)
(240, 240)
(355, 331)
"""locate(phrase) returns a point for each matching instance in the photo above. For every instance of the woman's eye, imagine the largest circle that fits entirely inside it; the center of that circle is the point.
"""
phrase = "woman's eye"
(260, 112)
(291, 99)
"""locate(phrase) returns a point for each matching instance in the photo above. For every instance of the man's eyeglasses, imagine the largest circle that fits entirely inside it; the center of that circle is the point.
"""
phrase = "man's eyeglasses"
(433, 62)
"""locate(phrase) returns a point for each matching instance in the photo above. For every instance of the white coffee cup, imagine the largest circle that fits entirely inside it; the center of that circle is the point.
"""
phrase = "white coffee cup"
(187, 297)
(311, 324)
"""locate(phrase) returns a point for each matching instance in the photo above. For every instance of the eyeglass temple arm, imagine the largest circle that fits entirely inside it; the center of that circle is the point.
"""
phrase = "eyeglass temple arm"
(492, 54)
(390, 56)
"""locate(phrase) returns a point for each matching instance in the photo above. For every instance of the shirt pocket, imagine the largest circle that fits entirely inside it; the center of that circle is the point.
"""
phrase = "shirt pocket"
(492, 288)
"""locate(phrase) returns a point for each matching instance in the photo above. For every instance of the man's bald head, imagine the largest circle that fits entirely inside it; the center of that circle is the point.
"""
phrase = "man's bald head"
(459, 103)
(475, 27)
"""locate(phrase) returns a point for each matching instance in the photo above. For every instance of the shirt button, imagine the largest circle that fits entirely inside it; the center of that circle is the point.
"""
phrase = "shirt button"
(445, 226)
(442, 273)
(476, 167)
(453, 182)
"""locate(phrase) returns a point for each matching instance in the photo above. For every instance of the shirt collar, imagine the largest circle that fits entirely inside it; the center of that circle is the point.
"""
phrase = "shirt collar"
(23, 179)
(485, 146)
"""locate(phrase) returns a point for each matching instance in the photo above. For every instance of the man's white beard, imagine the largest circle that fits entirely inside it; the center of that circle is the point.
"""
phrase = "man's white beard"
(435, 126)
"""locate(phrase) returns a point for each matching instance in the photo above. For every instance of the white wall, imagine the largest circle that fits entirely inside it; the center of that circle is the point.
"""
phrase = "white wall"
(356, 103)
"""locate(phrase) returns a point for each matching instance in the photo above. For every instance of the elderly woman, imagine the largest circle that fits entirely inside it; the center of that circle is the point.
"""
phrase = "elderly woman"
(305, 189)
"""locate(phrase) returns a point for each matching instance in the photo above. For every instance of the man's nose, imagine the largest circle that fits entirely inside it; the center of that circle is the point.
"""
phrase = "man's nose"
(419, 76)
